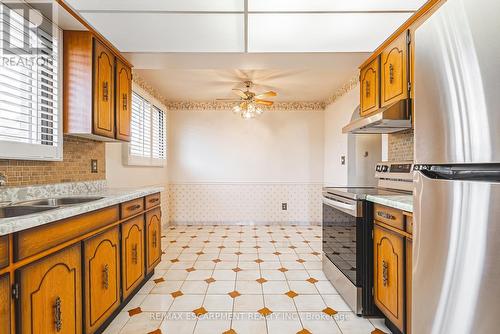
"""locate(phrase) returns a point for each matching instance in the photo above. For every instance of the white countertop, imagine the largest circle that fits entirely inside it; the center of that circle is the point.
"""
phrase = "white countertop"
(112, 196)
(401, 202)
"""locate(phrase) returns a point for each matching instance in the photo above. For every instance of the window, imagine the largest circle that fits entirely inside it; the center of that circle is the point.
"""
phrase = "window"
(30, 112)
(147, 145)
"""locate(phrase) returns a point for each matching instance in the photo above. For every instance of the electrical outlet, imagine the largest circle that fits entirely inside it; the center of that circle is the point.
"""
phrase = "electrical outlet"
(93, 166)
(284, 206)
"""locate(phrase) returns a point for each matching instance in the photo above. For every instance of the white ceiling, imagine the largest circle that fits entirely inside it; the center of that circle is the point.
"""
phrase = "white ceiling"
(246, 25)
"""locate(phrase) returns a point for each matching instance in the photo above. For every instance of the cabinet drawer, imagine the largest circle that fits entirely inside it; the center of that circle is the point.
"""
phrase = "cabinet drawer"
(39, 239)
(102, 277)
(5, 304)
(132, 207)
(409, 224)
(389, 216)
(50, 300)
(389, 272)
(4, 251)
(152, 200)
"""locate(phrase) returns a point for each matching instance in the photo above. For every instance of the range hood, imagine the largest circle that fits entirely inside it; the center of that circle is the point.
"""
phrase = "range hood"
(393, 118)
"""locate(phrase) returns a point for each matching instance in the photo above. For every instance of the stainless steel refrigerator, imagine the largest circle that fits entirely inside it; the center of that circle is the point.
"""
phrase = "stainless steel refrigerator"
(456, 259)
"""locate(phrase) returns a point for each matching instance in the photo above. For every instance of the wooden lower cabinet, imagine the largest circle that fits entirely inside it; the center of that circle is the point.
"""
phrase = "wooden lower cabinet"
(5, 304)
(389, 274)
(409, 270)
(102, 277)
(132, 254)
(153, 239)
(50, 294)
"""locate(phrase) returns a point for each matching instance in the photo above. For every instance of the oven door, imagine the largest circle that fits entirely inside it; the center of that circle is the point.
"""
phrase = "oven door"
(342, 219)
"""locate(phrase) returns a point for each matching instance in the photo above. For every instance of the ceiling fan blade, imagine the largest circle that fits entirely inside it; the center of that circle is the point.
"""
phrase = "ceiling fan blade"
(264, 102)
(266, 94)
(240, 93)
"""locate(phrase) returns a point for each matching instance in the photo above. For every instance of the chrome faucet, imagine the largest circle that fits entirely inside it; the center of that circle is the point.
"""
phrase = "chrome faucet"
(3, 180)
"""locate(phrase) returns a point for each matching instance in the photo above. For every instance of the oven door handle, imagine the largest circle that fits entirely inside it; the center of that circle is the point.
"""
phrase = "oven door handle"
(350, 208)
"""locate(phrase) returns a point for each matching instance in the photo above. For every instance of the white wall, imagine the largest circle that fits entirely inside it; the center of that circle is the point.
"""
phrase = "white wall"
(337, 115)
(226, 169)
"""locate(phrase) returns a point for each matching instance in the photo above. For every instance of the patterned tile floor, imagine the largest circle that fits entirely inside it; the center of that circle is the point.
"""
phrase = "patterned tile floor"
(241, 279)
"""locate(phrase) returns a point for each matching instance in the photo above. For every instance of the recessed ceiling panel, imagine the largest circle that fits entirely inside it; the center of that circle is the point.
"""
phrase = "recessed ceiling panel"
(334, 5)
(158, 5)
(353, 32)
(161, 32)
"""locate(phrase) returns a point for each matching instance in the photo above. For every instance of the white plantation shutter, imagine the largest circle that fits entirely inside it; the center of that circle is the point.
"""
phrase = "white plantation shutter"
(30, 113)
(148, 133)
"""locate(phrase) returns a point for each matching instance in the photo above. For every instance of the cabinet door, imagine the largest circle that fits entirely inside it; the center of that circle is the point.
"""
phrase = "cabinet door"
(409, 271)
(102, 277)
(132, 254)
(153, 238)
(123, 101)
(394, 71)
(50, 294)
(104, 106)
(369, 85)
(5, 304)
(389, 273)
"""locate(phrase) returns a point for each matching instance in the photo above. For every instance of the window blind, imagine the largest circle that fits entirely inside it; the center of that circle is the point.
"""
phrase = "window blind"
(29, 88)
(148, 133)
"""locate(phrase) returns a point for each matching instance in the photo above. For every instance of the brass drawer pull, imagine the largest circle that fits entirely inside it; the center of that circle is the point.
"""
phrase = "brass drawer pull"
(385, 272)
(385, 215)
(58, 314)
(133, 207)
(367, 90)
(105, 92)
(134, 254)
(391, 73)
(105, 277)
(124, 101)
(153, 200)
(154, 239)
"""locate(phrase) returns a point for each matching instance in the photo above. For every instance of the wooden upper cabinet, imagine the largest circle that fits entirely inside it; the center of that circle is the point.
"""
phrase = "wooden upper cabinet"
(153, 239)
(5, 304)
(389, 272)
(50, 294)
(102, 278)
(104, 88)
(132, 254)
(369, 86)
(96, 80)
(123, 100)
(394, 73)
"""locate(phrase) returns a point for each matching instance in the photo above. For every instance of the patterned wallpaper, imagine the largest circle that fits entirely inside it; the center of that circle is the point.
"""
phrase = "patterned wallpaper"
(401, 146)
(244, 202)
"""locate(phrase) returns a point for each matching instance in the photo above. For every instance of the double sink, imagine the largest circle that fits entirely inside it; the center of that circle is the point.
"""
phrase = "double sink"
(39, 205)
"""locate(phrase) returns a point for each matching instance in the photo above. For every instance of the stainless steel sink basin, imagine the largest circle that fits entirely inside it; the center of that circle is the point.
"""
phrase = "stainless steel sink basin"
(22, 210)
(62, 201)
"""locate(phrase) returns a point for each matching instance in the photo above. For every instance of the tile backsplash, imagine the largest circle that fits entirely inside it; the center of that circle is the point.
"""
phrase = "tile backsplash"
(75, 167)
(401, 146)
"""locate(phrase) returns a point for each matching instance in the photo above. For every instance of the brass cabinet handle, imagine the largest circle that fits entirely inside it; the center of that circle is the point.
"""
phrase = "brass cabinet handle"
(153, 200)
(385, 272)
(124, 101)
(391, 73)
(105, 92)
(58, 314)
(105, 277)
(134, 207)
(154, 239)
(367, 90)
(385, 215)
(134, 254)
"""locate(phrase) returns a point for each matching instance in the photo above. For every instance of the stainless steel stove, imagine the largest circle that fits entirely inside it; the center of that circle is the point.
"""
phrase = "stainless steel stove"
(347, 233)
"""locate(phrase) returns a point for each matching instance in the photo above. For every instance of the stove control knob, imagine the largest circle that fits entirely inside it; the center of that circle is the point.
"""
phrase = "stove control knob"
(378, 169)
(385, 168)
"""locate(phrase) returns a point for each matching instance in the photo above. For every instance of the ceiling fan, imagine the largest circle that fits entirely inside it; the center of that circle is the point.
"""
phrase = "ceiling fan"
(249, 103)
